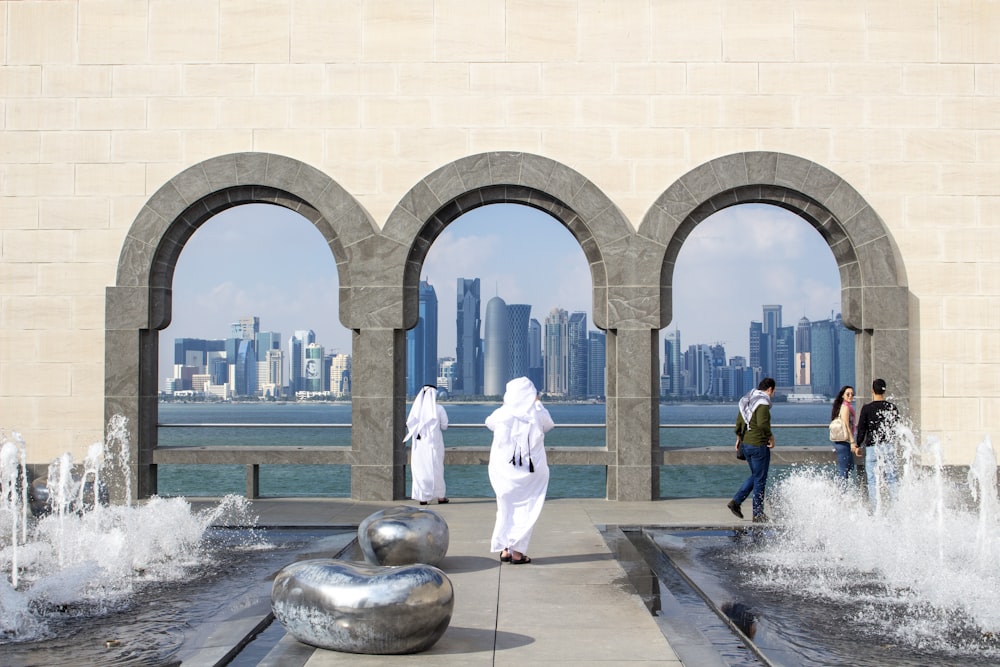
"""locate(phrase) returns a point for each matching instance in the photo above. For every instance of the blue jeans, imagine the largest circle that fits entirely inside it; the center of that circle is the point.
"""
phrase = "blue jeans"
(759, 460)
(880, 460)
(845, 460)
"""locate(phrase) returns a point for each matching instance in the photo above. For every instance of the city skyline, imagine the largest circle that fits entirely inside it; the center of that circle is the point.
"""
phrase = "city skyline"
(276, 263)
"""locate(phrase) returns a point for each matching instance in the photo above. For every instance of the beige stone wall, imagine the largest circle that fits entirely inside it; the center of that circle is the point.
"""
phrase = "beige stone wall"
(103, 101)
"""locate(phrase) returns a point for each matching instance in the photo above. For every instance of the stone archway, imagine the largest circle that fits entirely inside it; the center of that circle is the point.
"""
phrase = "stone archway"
(604, 235)
(138, 306)
(874, 295)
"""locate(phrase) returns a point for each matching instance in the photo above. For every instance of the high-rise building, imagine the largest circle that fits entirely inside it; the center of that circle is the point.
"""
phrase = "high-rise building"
(266, 341)
(246, 328)
(245, 368)
(845, 353)
(672, 366)
(756, 344)
(784, 358)
(518, 317)
(340, 375)
(803, 361)
(297, 358)
(556, 352)
(270, 380)
(446, 373)
(536, 359)
(597, 364)
(576, 355)
(698, 364)
(313, 368)
(496, 350)
(469, 345)
(421, 342)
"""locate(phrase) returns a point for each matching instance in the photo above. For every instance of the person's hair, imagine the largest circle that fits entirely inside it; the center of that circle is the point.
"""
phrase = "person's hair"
(767, 383)
(837, 402)
(878, 386)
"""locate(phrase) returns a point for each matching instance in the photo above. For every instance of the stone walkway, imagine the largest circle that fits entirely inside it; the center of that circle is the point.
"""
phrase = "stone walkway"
(573, 604)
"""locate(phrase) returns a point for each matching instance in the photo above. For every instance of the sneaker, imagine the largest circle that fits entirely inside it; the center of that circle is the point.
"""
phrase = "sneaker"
(735, 508)
(761, 518)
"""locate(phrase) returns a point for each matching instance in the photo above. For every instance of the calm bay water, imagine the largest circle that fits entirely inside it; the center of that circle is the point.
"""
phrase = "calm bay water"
(462, 481)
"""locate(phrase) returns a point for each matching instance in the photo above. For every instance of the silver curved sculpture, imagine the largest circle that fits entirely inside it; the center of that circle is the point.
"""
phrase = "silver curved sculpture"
(362, 608)
(403, 535)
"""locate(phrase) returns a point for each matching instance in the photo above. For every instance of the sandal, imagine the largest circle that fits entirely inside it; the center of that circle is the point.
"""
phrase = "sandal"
(523, 560)
(503, 558)
(443, 501)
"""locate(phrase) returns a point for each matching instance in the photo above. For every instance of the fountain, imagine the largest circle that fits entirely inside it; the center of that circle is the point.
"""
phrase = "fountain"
(68, 556)
(837, 582)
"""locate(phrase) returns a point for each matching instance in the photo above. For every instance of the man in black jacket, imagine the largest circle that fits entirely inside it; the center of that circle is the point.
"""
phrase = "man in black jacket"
(877, 433)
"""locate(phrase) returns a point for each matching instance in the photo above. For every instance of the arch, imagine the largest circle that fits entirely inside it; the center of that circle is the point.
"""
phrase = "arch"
(139, 304)
(874, 294)
(603, 232)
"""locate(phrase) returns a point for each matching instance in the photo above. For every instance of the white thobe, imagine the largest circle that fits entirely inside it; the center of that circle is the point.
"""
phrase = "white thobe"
(520, 493)
(427, 460)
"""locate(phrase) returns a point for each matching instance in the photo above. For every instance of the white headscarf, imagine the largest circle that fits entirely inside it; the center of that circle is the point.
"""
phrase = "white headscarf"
(423, 418)
(520, 401)
(751, 401)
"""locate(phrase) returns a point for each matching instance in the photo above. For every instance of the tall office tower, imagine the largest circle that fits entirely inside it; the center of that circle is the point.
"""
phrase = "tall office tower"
(297, 357)
(803, 350)
(536, 362)
(672, 366)
(266, 341)
(597, 342)
(193, 356)
(756, 333)
(269, 376)
(245, 368)
(340, 375)
(556, 352)
(446, 373)
(468, 344)
(421, 343)
(313, 368)
(769, 340)
(727, 380)
(824, 358)
(246, 328)
(845, 352)
(496, 353)
(576, 354)
(518, 316)
(784, 358)
(698, 364)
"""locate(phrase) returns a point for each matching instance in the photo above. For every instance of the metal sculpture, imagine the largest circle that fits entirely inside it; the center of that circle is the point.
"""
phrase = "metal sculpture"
(363, 608)
(403, 535)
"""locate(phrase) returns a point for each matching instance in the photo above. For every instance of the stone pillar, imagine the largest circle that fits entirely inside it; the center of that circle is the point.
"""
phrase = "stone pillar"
(633, 414)
(378, 414)
(128, 342)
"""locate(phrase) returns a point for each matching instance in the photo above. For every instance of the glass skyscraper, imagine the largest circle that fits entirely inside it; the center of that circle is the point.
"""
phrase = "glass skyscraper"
(518, 317)
(421, 342)
(577, 348)
(556, 352)
(496, 348)
(596, 364)
(468, 345)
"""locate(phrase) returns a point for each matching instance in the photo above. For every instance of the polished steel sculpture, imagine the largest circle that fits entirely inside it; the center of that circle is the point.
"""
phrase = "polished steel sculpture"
(403, 535)
(363, 608)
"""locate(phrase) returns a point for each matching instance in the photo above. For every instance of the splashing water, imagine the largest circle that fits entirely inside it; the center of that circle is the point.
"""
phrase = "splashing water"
(84, 557)
(921, 568)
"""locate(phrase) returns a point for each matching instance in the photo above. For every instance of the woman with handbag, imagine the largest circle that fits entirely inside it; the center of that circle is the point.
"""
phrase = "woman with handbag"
(842, 422)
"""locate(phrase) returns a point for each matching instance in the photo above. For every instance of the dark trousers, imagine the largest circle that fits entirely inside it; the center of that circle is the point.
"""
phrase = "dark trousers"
(759, 460)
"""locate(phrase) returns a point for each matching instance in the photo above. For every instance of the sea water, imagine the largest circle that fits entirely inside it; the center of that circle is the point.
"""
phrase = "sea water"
(690, 481)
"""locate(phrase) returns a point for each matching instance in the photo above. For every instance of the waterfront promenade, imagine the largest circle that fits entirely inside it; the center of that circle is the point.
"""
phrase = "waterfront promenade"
(574, 604)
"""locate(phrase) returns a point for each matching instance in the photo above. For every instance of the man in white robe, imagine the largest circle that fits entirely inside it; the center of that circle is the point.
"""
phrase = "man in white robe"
(424, 424)
(518, 469)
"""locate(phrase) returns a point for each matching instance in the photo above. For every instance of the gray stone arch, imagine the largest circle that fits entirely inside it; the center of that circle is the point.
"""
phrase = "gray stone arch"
(603, 232)
(875, 299)
(138, 306)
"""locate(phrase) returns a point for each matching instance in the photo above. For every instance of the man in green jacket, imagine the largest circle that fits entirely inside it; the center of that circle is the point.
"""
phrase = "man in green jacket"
(755, 441)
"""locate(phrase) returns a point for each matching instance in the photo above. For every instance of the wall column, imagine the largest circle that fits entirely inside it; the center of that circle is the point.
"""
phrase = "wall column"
(633, 414)
(378, 405)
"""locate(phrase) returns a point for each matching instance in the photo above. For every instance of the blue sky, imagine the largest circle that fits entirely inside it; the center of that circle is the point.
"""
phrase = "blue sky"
(268, 261)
